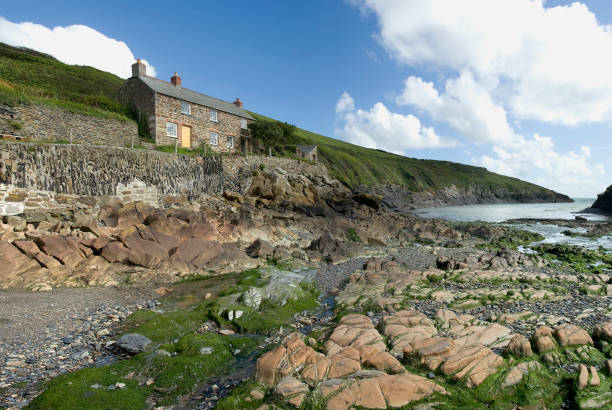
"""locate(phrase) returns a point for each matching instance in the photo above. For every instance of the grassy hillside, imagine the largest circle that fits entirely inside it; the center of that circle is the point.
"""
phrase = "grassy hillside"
(28, 76)
(355, 165)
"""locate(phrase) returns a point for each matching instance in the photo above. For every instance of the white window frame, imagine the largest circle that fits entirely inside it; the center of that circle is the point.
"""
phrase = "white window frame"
(244, 124)
(172, 129)
(214, 138)
(230, 141)
(214, 115)
(185, 107)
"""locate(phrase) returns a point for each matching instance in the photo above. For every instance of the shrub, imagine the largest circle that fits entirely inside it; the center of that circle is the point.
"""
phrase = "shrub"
(16, 126)
(352, 236)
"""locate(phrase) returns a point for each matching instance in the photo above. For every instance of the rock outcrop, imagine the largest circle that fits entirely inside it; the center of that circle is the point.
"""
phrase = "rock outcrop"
(603, 203)
(401, 198)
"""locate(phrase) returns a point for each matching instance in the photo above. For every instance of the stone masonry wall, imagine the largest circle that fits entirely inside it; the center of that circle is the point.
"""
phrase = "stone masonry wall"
(97, 171)
(168, 109)
(135, 93)
(41, 122)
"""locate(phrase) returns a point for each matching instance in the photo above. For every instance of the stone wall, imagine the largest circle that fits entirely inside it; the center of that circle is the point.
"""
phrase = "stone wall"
(238, 171)
(32, 172)
(168, 109)
(42, 122)
(135, 93)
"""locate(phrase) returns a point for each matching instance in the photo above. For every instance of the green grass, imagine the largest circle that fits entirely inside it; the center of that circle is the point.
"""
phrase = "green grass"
(576, 258)
(354, 166)
(173, 376)
(175, 332)
(30, 77)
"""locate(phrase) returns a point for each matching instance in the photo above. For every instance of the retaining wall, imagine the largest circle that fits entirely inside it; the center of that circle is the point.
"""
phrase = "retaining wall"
(41, 122)
(32, 173)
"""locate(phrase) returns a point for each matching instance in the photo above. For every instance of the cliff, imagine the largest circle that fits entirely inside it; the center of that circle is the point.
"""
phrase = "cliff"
(603, 203)
(401, 198)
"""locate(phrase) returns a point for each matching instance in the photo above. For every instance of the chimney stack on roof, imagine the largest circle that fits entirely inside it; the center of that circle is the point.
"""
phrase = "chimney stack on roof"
(238, 102)
(139, 69)
(175, 80)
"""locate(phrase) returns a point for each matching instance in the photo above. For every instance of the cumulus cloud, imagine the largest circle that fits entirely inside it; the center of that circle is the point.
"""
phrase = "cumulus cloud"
(544, 63)
(378, 127)
(500, 62)
(465, 105)
(536, 159)
(74, 44)
(345, 103)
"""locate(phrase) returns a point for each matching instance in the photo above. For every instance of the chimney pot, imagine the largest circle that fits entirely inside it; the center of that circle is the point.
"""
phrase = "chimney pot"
(139, 69)
(175, 80)
(238, 102)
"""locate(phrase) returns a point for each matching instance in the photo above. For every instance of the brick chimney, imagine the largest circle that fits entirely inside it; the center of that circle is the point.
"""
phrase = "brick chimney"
(175, 80)
(139, 69)
(238, 103)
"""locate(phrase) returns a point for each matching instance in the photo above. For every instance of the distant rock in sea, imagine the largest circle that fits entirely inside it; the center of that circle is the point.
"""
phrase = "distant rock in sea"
(603, 203)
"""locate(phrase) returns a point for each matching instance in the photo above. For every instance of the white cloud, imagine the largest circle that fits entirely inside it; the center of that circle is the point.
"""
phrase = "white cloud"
(548, 64)
(380, 128)
(465, 105)
(345, 103)
(535, 159)
(75, 44)
(500, 62)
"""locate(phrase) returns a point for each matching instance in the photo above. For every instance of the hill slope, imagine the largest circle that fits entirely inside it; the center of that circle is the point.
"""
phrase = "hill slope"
(27, 76)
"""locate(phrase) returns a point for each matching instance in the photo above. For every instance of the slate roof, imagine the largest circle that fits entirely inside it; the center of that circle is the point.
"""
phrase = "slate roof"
(186, 94)
(307, 149)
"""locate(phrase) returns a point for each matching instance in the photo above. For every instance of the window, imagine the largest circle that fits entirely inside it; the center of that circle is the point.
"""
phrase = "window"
(230, 141)
(171, 130)
(243, 123)
(213, 115)
(214, 138)
(185, 108)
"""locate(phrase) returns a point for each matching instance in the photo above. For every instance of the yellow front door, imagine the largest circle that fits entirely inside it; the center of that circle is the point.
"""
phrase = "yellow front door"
(186, 137)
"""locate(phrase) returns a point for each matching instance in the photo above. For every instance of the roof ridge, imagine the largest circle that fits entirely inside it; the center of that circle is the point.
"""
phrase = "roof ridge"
(189, 89)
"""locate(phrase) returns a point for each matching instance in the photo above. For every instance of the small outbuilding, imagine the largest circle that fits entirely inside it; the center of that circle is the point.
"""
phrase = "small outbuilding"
(308, 152)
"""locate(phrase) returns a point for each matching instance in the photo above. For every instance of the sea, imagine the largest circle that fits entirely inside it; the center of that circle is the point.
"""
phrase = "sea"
(504, 212)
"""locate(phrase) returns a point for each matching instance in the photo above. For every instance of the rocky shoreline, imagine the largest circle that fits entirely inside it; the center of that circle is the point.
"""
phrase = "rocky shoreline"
(295, 293)
(401, 199)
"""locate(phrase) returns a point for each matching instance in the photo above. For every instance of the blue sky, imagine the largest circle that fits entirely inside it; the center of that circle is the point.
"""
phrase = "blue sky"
(426, 78)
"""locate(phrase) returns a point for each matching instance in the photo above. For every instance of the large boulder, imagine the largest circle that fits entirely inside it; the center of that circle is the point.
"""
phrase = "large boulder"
(65, 249)
(260, 249)
(13, 262)
(379, 392)
(115, 252)
(603, 331)
(144, 249)
(519, 346)
(572, 335)
(334, 250)
(133, 343)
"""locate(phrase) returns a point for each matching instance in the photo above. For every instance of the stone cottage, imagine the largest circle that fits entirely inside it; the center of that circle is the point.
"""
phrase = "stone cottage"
(308, 152)
(178, 115)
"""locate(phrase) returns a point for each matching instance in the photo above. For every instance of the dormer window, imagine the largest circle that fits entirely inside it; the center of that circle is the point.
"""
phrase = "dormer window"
(213, 115)
(243, 123)
(185, 108)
